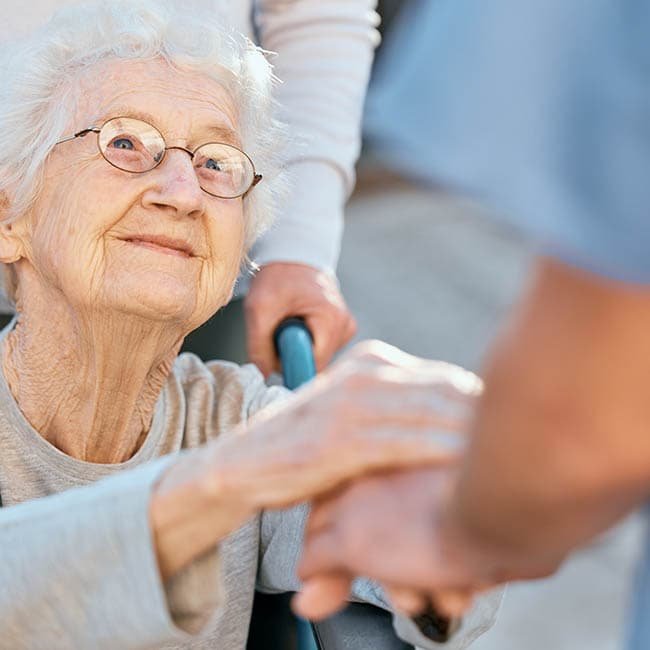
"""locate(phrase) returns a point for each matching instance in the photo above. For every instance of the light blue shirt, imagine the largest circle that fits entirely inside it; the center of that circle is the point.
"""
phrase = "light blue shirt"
(638, 632)
(541, 109)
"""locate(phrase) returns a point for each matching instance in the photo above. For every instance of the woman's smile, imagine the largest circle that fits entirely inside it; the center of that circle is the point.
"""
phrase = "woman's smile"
(163, 244)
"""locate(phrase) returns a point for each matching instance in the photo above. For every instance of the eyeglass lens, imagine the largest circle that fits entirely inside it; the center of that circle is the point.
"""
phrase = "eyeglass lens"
(136, 146)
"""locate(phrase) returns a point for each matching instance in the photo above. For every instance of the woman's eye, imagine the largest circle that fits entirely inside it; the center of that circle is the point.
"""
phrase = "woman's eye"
(213, 165)
(123, 143)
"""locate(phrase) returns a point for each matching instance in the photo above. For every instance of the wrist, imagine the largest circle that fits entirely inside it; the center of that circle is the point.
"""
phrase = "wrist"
(191, 512)
(468, 552)
(488, 561)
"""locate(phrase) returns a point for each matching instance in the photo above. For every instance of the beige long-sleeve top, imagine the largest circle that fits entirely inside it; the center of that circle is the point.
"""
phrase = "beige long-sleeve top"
(78, 565)
(323, 53)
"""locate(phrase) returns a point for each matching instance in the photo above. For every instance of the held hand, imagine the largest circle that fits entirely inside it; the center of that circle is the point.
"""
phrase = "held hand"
(281, 290)
(377, 408)
(325, 594)
(390, 528)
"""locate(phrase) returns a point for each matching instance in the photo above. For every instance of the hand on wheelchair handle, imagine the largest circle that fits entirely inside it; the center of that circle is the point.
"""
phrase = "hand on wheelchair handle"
(283, 290)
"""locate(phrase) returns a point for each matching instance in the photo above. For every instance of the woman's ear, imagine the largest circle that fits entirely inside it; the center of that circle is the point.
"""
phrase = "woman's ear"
(11, 247)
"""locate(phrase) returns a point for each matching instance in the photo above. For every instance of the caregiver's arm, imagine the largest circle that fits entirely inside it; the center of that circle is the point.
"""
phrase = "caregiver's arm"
(324, 50)
(324, 53)
(560, 449)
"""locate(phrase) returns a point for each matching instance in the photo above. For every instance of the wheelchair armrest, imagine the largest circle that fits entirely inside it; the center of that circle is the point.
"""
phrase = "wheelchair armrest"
(359, 627)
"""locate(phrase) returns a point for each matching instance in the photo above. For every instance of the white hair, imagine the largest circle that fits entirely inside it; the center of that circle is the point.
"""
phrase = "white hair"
(38, 78)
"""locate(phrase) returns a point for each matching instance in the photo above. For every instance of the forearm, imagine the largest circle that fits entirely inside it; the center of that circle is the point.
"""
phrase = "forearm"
(86, 550)
(324, 54)
(310, 227)
(559, 448)
(193, 508)
(324, 51)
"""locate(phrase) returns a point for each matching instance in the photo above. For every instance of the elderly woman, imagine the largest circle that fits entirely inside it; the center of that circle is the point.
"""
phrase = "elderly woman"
(133, 140)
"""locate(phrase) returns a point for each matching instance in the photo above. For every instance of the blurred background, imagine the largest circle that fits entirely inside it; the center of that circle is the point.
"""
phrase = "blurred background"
(435, 275)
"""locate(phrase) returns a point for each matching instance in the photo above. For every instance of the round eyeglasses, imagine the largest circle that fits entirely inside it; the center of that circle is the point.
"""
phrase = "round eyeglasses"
(137, 147)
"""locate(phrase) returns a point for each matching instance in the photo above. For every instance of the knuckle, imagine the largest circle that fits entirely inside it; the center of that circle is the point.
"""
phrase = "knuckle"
(259, 299)
(256, 308)
(354, 380)
(366, 351)
(374, 352)
(341, 311)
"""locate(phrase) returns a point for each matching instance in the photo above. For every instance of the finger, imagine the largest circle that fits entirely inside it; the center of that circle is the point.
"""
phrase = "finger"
(392, 450)
(320, 555)
(366, 403)
(394, 391)
(337, 466)
(373, 350)
(386, 353)
(322, 513)
(452, 603)
(407, 601)
(451, 381)
(327, 329)
(349, 330)
(322, 596)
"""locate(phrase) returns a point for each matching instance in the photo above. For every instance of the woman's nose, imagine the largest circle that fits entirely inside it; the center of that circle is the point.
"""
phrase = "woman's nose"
(176, 186)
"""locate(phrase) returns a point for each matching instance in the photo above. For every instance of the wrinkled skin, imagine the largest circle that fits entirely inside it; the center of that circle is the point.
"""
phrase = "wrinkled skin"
(103, 310)
(102, 316)
(376, 409)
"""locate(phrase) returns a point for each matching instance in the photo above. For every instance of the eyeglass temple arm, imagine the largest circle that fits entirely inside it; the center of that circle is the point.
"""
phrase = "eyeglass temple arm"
(256, 179)
(80, 134)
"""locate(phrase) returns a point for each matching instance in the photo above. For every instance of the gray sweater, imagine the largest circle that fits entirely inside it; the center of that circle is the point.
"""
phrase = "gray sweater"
(78, 566)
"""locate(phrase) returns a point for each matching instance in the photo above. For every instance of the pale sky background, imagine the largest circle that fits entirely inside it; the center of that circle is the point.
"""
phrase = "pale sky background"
(18, 16)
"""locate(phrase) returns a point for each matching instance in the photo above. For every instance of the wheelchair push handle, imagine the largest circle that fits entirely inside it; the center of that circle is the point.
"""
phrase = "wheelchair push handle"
(294, 346)
(359, 626)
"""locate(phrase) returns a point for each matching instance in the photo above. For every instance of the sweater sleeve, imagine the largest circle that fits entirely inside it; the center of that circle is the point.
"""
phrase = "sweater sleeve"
(324, 53)
(79, 570)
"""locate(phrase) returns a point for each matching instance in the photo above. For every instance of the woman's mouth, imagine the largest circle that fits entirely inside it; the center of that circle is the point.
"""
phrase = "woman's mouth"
(163, 244)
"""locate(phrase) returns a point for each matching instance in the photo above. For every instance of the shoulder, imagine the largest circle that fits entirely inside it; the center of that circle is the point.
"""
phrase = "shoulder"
(235, 390)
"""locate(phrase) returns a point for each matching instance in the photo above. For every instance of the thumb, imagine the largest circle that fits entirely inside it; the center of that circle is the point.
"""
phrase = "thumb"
(322, 596)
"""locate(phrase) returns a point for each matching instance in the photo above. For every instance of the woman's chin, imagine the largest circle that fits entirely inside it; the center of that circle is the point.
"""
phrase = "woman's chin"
(173, 300)
(178, 299)
(160, 309)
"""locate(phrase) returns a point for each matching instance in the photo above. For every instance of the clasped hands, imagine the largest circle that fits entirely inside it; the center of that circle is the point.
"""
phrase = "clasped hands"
(392, 526)
(361, 528)
(373, 443)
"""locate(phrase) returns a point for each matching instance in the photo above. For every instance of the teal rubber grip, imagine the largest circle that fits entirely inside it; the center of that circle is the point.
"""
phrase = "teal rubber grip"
(294, 345)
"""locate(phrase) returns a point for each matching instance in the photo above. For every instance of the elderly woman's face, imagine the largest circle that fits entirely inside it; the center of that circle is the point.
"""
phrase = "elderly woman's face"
(154, 244)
